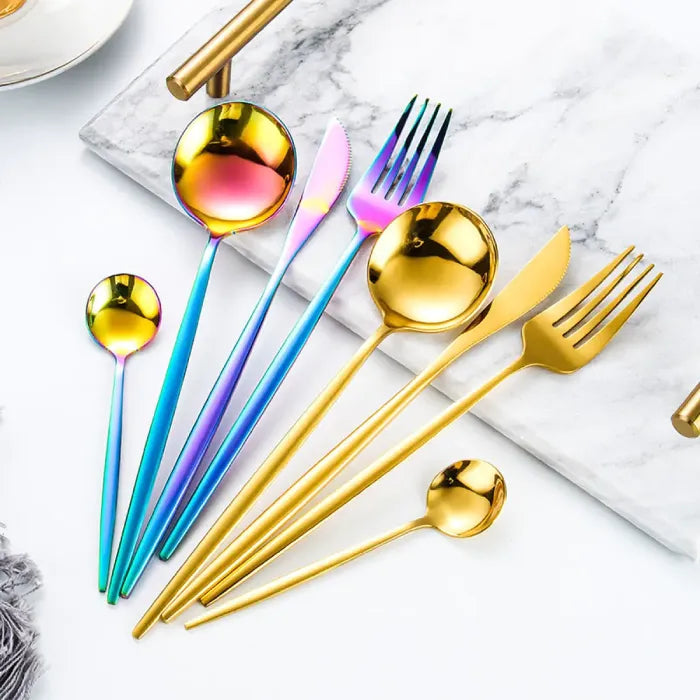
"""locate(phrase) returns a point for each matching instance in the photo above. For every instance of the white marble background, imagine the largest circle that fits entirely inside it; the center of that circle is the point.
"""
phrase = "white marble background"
(589, 121)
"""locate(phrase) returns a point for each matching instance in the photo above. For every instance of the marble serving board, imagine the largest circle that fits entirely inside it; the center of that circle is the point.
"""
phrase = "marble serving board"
(589, 118)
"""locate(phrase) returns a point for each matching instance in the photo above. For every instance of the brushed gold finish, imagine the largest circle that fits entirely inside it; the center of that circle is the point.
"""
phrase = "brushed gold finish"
(219, 85)
(563, 338)
(213, 56)
(8, 7)
(686, 420)
(538, 278)
(463, 501)
(430, 270)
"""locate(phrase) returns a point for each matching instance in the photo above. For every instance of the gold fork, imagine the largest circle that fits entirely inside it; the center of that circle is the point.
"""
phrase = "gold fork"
(563, 338)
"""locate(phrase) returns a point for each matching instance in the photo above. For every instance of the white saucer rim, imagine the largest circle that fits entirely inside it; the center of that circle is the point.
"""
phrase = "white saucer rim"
(82, 56)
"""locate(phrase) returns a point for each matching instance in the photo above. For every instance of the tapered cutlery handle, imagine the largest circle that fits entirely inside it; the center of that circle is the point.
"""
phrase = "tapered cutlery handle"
(299, 494)
(264, 475)
(259, 399)
(202, 433)
(312, 518)
(161, 422)
(110, 481)
(300, 431)
(307, 573)
(256, 405)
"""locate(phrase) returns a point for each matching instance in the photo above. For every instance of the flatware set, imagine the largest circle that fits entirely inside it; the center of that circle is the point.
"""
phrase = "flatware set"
(539, 278)
(431, 270)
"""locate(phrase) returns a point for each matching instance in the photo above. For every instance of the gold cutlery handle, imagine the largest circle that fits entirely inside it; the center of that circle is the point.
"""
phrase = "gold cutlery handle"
(303, 490)
(295, 437)
(306, 573)
(307, 522)
(686, 420)
(250, 492)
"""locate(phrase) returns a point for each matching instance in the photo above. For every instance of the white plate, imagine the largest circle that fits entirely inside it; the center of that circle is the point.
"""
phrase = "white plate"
(46, 37)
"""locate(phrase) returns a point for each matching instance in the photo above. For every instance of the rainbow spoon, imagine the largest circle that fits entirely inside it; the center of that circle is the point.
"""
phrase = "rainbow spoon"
(123, 315)
(233, 168)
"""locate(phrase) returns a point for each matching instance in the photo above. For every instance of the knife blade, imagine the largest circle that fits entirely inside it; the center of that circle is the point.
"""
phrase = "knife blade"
(327, 178)
(531, 286)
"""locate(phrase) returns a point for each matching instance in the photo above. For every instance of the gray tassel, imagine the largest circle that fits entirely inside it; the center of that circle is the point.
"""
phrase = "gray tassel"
(20, 664)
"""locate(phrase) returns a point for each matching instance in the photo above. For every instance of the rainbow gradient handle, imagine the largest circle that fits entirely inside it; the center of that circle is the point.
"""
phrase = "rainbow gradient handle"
(162, 421)
(261, 397)
(200, 437)
(110, 480)
(326, 181)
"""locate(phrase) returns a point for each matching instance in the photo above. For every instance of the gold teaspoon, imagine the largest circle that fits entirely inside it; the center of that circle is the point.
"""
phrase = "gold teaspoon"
(463, 501)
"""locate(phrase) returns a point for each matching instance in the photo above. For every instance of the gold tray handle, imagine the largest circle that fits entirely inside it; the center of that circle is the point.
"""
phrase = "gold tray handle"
(686, 420)
(211, 63)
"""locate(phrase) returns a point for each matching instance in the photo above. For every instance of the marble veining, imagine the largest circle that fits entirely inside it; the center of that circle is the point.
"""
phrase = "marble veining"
(583, 122)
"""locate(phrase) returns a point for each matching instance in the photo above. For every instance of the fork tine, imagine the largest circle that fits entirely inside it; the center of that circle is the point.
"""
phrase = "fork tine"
(569, 323)
(405, 178)
(375, 170)
(389, 178)
(566, 305)
(420, 187)
(594, 343)
(589, 327)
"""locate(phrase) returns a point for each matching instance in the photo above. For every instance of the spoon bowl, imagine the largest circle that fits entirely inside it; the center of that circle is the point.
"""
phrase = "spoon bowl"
(465, 498)
(233, 168)
(123, 314)
(432, 267)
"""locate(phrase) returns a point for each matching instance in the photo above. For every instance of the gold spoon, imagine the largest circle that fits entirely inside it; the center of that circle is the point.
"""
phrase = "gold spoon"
(123, 315)
(430, 270)
(463, 501)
